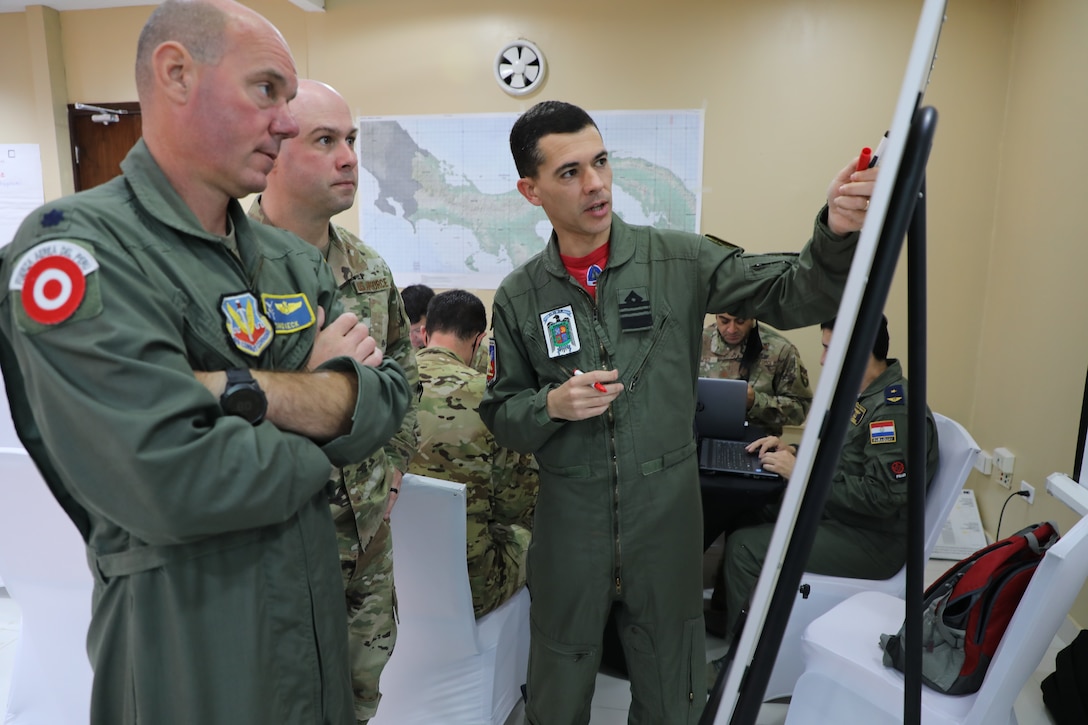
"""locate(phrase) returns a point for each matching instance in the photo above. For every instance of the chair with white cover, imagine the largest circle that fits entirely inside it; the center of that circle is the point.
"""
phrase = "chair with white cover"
(44, 568)
(958, 451)
(447, 667)
(845, 680)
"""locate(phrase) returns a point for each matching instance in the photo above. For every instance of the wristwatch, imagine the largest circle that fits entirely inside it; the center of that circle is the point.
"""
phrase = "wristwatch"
(243, 397)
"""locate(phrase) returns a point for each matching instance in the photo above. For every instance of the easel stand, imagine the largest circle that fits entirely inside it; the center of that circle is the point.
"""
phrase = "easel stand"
(906, 217)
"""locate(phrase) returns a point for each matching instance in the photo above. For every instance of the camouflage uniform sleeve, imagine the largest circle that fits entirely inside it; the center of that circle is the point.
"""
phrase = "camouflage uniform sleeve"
(514, 486)
(403, 446)
(788, 401)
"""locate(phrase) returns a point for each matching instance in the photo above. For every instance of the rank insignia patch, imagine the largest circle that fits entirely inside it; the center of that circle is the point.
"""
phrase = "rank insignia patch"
(560, 332)
(893, 394)
(882, 431)
(289, 313)
(249, 330)
(635, 312)
(52, 281)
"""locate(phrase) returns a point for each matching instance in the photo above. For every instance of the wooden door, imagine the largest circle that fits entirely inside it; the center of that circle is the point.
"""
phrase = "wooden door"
(97, 148)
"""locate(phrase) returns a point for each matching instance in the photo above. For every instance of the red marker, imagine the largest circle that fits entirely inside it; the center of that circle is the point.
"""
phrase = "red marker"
(863, 160)
(596, 385)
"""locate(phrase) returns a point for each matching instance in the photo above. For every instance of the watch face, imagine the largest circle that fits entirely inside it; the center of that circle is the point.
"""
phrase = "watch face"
(247, 403)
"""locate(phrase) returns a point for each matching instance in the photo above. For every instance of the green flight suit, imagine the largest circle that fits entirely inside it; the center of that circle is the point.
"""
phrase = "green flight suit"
(618, 516)
(863, 531)
(217, 594)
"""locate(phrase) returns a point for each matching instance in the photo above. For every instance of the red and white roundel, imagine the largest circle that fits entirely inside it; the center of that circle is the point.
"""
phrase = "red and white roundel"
(52, 278)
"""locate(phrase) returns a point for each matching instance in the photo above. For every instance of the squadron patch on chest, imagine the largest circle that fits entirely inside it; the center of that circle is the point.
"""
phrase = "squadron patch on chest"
(248, 328)
(560, 332)
(53, 280)
(289, 313)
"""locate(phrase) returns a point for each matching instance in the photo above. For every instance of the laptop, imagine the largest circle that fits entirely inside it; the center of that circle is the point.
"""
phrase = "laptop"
(721, 430)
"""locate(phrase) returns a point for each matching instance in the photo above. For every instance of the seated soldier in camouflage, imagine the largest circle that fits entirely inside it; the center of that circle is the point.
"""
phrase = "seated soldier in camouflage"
(778, 391)
(455, 445)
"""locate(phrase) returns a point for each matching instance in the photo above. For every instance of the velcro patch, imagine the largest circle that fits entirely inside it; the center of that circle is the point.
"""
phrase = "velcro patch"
(56, 283)
(893, 394)
(289, 313)
(249, 330)
(882, 431)
(492, 360)
(898, 469)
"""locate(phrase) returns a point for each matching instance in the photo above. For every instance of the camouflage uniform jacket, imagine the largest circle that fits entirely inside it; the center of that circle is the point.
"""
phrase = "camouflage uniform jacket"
(367, 289)
(501, 485)
(779, 381)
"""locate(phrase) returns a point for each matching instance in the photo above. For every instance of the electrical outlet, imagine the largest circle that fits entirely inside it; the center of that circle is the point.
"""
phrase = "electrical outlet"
(984, 463)
(1003, 479)
(1025, 486)
(1004, 459)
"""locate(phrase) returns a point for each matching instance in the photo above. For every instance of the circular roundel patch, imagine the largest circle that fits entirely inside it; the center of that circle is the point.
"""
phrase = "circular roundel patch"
(51, 279)
(53, 289)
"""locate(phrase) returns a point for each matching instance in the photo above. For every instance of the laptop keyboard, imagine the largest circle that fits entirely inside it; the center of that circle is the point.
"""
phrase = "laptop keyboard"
(728, 456)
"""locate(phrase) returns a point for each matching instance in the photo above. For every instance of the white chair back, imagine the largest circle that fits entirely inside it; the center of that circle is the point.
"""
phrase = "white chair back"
(958, 451)
(447, 666)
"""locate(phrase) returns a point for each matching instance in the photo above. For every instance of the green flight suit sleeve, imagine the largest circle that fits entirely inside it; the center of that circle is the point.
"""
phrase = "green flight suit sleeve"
(784, 290)
(869, 484)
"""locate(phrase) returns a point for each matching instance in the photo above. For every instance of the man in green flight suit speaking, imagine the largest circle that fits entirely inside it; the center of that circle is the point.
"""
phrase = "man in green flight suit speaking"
(597, 342)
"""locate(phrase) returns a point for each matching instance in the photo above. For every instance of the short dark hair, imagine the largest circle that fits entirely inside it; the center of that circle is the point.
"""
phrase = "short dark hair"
(880, 344)
(546, 117)
(416, 298)
(456, 312)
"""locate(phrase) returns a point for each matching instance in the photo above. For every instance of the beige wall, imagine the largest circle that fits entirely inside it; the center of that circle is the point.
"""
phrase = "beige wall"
(791, 89)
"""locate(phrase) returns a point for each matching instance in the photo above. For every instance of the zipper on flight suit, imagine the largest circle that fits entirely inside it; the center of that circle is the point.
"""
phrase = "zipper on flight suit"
(611, 423)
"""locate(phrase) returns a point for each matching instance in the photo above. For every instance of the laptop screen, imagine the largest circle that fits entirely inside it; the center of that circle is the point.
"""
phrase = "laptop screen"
(721, 405)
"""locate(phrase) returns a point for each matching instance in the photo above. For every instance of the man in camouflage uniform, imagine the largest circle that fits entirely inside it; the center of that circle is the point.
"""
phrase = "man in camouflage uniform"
(501, 485)
(778, 390)
(315, 177)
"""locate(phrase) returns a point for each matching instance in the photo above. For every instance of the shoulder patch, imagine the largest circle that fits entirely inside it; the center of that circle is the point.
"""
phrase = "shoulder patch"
(492, 360)
(56, 282)
(898, 469)
(882, 431)
(893, 394)
(859, 413)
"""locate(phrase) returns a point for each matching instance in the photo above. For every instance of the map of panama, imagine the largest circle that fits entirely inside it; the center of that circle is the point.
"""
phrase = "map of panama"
(438, 196)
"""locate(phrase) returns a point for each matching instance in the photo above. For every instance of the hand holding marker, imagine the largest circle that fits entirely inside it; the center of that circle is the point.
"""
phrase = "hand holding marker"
(868, 159)
(598, 386)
